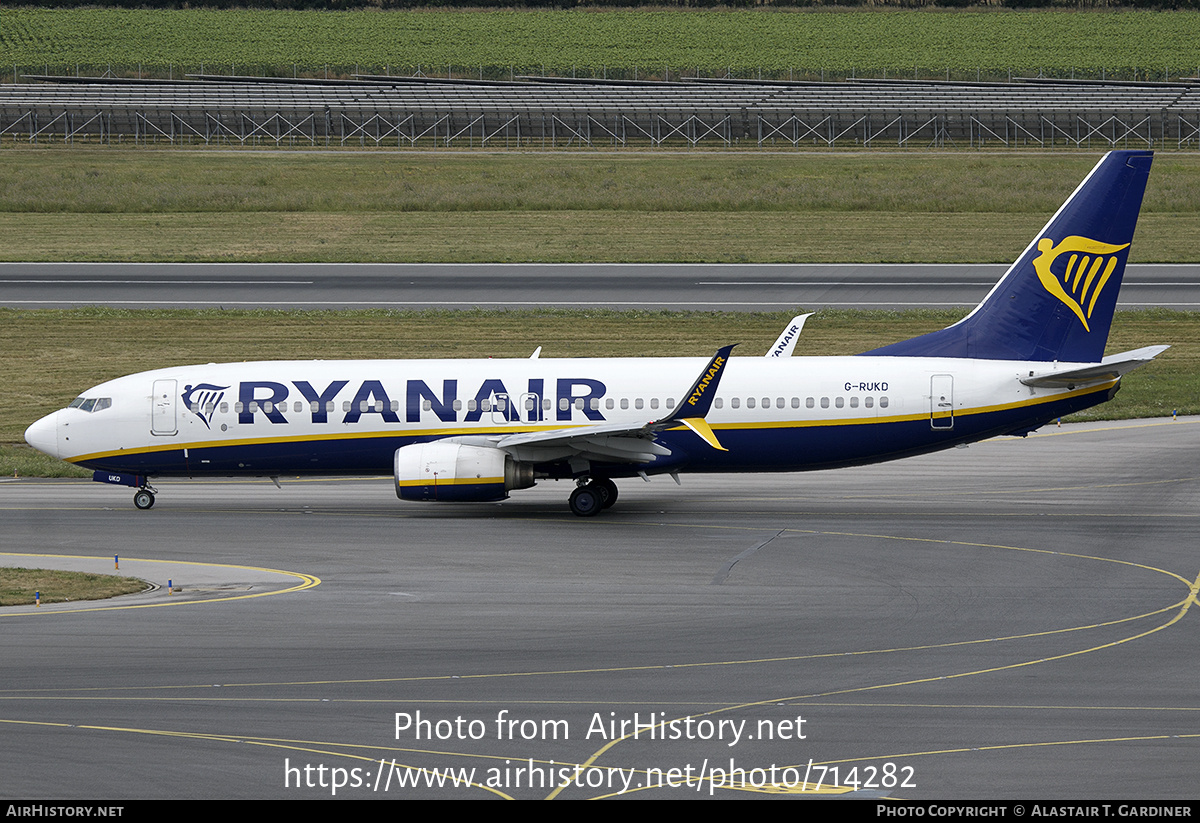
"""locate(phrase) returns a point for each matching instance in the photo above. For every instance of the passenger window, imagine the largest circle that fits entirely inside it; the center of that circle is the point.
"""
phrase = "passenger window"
(719, 402)
(809, 402)
(639, 403)
(795, 402)
(654, 402)
(869, 402)
(883, 402)
(345, 405)
(225, 408)
(563, 404)
(457, 405)
(750, 401)
(839, 402)
(824, 402)
(237, 407)
(854, 402)
(624, 402)
(594, 403)
(608, 404)
(735, 402)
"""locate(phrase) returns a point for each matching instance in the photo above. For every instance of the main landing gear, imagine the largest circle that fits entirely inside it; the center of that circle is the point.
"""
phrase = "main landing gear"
(143, 498)
(593, 496)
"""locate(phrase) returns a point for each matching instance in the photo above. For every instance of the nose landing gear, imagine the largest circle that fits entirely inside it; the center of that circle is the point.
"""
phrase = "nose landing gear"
(143, 498)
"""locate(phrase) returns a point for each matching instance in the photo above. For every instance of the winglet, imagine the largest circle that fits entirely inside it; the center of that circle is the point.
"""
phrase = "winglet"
(698, 399)
(787, 341)
(616, 441)
(694, 407)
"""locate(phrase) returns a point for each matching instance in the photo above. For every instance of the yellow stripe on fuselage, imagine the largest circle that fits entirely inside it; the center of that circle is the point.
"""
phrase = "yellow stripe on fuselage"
(922, 415)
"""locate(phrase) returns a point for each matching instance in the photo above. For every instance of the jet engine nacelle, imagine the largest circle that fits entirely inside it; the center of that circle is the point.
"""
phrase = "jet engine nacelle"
(454, 472)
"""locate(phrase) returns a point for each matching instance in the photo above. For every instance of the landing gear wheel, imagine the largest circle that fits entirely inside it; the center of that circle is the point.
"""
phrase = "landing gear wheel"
(143, 499)
(586, 501)
(608, 491)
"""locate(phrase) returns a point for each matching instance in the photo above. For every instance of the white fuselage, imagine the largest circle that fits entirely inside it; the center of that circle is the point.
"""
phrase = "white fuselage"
(337, 417)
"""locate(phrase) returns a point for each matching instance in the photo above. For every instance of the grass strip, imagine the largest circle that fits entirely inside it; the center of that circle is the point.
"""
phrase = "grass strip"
(555, 237)
(18, 586)
(79, 179)
(84, 204)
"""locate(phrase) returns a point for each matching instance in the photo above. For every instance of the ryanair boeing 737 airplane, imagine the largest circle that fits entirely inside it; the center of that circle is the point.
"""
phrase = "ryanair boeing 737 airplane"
(474, 430)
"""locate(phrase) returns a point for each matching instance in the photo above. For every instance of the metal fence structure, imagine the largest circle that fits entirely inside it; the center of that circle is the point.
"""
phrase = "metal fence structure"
(564, 113)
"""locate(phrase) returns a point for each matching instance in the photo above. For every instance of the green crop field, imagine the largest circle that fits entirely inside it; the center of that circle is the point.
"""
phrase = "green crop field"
(652, 43)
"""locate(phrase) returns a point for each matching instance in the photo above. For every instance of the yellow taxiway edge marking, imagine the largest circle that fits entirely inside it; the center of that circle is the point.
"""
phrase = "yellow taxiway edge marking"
(307, 581)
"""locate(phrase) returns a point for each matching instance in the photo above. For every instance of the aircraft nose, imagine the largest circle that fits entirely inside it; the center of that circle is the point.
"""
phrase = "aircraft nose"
(43, 435)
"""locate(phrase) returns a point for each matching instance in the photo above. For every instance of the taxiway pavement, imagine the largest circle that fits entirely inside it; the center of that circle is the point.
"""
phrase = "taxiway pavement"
(1012, 620)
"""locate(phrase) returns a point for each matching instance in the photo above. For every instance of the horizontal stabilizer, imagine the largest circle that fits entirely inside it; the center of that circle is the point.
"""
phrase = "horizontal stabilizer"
(1110, 368)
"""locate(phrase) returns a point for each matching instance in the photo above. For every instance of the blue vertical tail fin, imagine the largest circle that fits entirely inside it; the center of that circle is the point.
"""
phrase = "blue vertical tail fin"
(1056, 302)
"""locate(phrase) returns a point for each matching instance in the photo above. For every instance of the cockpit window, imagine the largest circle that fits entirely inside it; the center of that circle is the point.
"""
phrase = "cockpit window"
(91, 404)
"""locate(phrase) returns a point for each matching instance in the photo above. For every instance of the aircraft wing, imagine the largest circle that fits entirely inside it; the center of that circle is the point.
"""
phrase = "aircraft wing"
(625, 442)
(1110, 368)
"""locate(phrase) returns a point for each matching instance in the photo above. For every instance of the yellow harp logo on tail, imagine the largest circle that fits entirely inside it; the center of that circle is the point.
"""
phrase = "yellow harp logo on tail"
(1089, 265)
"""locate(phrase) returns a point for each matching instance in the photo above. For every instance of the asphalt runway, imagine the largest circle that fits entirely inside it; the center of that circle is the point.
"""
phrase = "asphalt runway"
(1011, 620)
(640, 286)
